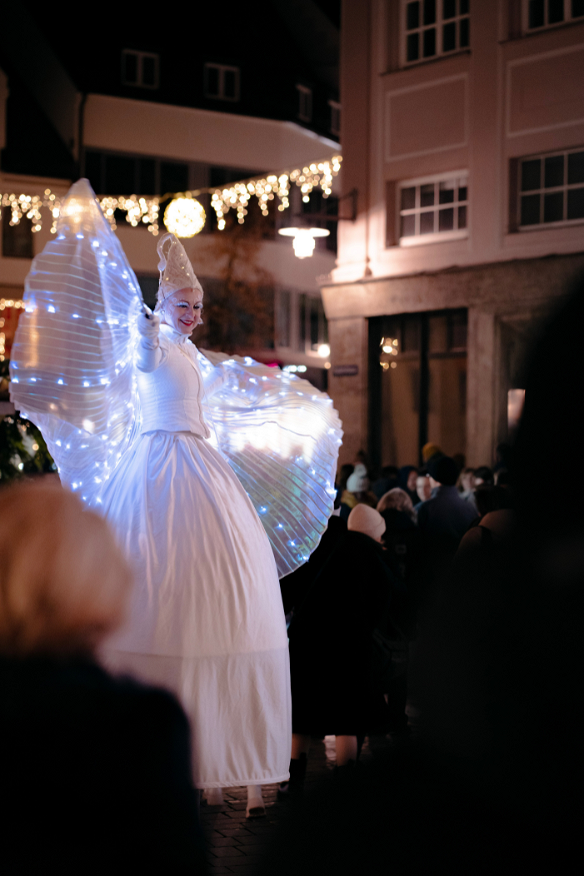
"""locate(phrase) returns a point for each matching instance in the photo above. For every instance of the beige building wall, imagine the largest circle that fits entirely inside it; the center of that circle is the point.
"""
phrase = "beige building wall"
(472, 113)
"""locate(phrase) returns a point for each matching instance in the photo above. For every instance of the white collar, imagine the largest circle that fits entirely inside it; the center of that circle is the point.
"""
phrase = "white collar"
(172, 335)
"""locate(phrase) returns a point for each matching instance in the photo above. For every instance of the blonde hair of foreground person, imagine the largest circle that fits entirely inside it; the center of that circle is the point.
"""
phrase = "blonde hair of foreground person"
(64, 582)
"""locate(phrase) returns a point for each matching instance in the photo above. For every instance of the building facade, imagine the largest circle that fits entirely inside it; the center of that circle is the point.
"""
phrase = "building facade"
(463, 133)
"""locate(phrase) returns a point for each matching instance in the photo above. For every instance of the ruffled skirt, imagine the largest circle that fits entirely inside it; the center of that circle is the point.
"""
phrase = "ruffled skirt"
(206, 617)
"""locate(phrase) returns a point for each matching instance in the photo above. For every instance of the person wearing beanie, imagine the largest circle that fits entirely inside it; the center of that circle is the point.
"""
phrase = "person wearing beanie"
(357, 491)
(430, 452)
(330, 645)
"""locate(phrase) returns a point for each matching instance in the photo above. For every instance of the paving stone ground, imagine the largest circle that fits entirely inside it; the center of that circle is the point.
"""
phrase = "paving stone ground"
(235, 844)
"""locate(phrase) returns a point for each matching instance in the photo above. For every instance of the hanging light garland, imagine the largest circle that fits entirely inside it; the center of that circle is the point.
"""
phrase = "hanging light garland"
(265, 189)
(137, 209)
(185, 213)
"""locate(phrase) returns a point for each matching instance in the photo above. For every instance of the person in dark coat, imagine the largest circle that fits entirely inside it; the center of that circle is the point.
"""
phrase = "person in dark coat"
(95, 770)
(331, 643)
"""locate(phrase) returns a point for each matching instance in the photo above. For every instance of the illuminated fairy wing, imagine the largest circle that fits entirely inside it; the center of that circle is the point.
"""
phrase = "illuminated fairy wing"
(281, 436)
(72, 367)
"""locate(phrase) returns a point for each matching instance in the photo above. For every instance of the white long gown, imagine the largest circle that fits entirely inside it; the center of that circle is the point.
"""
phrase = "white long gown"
(206, 616)
(212, 490)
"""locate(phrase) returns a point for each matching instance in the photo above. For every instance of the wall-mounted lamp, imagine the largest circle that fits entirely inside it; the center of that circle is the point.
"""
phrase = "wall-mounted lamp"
(304, 237)
(303, 242)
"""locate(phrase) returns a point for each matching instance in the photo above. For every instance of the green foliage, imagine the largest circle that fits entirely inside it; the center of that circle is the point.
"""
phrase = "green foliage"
(18, 439)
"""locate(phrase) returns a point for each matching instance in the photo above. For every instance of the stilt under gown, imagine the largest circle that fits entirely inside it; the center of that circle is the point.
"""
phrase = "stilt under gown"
(215, 472)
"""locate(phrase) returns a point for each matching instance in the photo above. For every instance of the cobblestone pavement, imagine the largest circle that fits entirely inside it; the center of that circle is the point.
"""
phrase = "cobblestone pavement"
(236, 844)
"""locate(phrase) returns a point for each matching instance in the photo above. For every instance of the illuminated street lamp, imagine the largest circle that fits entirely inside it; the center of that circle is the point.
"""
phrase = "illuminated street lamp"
(304, 239)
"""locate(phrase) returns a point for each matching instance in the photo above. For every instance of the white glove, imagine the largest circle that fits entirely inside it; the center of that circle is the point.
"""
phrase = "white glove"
(148, 353)
(148, 326)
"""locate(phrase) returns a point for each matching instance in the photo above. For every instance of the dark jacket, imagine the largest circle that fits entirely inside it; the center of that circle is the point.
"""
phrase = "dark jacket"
(95, 773)
(331, 636)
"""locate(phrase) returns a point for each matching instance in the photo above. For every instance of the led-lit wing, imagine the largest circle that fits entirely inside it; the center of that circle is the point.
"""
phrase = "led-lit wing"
(71, 368)
(281, 436)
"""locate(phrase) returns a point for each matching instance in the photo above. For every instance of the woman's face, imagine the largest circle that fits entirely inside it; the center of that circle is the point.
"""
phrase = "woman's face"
(467, 480)
(423, 488)
(412, 480)
(182, 310)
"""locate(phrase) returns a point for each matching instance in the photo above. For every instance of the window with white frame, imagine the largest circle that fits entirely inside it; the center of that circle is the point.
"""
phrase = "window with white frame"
(140, 69)
(434, 27)
(548, 13)
(304, 103)
(551, 188)
(221, 82)
(335, 124)
(433, 208)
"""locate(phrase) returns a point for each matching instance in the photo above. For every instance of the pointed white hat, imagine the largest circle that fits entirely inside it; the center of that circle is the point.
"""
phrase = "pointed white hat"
(176, 271)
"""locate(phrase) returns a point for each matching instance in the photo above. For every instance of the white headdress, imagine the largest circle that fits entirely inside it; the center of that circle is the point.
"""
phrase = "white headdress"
(176, 271)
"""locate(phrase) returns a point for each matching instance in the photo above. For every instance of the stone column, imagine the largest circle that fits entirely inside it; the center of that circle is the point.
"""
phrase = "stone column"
(348, 341)
(482, 364)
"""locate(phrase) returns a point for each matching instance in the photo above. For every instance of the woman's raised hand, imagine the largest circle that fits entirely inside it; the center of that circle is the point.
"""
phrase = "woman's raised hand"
(148, 323)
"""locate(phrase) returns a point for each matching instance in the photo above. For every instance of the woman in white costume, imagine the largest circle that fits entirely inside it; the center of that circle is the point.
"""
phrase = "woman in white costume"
(207, 618)
(122, 397)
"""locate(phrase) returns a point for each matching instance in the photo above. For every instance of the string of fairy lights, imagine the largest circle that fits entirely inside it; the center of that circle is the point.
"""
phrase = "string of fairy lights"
(185, 215)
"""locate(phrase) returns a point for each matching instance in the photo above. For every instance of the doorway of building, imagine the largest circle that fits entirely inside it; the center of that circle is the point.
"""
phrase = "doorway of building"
(417, 384)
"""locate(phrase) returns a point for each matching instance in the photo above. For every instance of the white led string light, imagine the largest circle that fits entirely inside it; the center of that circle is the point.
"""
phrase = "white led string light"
(142, 210)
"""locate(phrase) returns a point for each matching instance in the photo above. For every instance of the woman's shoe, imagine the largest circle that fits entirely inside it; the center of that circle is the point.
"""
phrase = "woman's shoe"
(214, 796)
(255, 807)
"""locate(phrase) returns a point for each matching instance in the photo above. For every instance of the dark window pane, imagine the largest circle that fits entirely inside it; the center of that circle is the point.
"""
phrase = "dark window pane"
(16, 239)
(535, 16)
(120, 175)
(93, 171)
(464, 26)
(429, 11)
(412, 15)
(130, 68)
(411, 335)
(149, 71)
(427, 195)
(555, 11)
(462, 193)
(229, 84)
(408, 226)
(446, 220)
(427, 223)
(173, 177)
(449, 37)
(576, 204)
(462, 217)
(413, 51)
(530, 210)
(146, 176)
(553, 207)
(212, 81)
(458, 331)
(554, 171)
(448, 9)
(464, 7)
(446, 192)
(429, 42)
(408, 198)
(577, 8)
(576, 167)
(530, 175)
